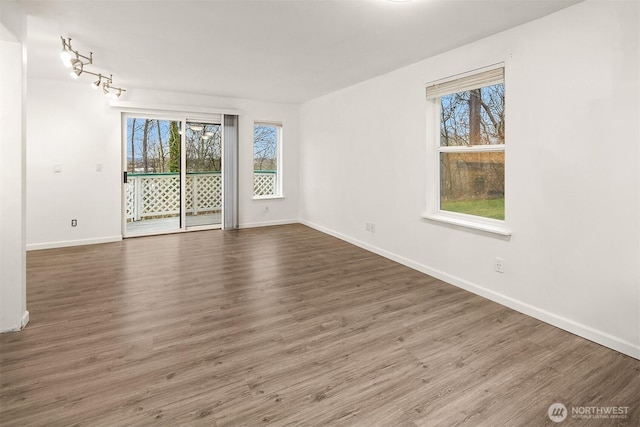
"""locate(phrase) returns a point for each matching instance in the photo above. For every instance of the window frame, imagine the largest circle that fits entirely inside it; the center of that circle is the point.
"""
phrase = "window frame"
(434, 149)
(279, 161)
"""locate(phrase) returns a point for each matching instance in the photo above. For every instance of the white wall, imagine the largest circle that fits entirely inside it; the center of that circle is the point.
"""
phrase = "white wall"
(13, 303)
(73, 126)
(572, 181)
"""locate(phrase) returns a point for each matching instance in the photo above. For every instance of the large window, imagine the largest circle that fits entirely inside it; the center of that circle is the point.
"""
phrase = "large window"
(267, 160)
(466, 119)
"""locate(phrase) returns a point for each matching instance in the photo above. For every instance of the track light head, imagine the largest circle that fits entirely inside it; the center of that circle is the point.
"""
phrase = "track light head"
(95, 85)
(77, 69)
(66, 58)
(111, 92)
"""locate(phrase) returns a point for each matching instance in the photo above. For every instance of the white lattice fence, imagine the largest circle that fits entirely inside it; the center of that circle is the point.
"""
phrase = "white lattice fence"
(132, 184)
(190, 194)
(159, 195)
(205, 191)
(151, 195)
(264, 183)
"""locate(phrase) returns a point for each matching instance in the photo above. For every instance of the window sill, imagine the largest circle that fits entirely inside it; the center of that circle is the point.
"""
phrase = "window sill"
(466, 221)
(267, 197)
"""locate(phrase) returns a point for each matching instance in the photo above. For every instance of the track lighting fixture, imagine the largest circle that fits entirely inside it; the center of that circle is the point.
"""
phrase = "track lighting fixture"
(71, 57)
(110, 91)
(76, 61)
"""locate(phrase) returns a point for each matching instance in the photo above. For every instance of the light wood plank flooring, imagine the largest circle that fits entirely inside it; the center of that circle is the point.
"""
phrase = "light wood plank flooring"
(284, 326)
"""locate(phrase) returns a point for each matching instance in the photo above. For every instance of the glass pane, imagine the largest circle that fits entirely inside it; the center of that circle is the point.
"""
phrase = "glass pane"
(473, 117)
(473, 183)
(204, 174)
(265, 159)
(153, 176)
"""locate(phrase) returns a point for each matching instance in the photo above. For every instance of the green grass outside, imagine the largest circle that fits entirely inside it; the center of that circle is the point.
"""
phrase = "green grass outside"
(487, 208)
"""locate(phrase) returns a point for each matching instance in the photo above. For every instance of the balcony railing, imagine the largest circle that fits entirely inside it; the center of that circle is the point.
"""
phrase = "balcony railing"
(156, 195)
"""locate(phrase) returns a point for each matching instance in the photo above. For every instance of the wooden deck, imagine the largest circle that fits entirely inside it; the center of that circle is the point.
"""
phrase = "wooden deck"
(284, 326)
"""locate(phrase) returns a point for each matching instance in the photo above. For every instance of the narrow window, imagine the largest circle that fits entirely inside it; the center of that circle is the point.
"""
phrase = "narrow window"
(267, 160)
(468, 117)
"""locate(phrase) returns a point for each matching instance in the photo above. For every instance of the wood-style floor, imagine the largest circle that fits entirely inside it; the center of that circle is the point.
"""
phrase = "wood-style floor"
(284, 326)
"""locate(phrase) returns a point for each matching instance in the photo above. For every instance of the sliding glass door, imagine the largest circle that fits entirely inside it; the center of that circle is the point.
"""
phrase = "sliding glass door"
(204, 174)
(153, 178)
(173, 178)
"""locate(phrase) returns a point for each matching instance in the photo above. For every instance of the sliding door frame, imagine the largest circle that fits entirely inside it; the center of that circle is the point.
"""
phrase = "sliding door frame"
(182, 117)
(183, 166)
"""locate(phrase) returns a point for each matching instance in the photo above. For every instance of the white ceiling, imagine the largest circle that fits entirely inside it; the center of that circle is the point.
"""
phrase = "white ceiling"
(276, 50)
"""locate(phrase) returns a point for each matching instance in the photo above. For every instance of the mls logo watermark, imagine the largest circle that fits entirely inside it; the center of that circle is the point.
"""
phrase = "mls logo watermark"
(557, 412)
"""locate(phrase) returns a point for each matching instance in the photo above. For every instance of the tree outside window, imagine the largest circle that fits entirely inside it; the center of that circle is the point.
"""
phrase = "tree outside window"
(471, 145)
(267, 141)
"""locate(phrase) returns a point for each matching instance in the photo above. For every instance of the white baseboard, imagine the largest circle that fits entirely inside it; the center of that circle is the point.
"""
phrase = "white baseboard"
(23, 322)
(561, 322)
(65, 243)
(269, 223)
(25, 319)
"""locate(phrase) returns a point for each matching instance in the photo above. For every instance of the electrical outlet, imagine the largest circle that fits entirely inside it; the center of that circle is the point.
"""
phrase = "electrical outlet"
(369, 226)
(499, 265)
(74, 222)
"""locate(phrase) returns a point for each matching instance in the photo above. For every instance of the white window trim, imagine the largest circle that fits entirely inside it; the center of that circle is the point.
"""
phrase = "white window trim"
(433, 211)
(267, 197)
(279, 172)
(488, 225)
(197, 113)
